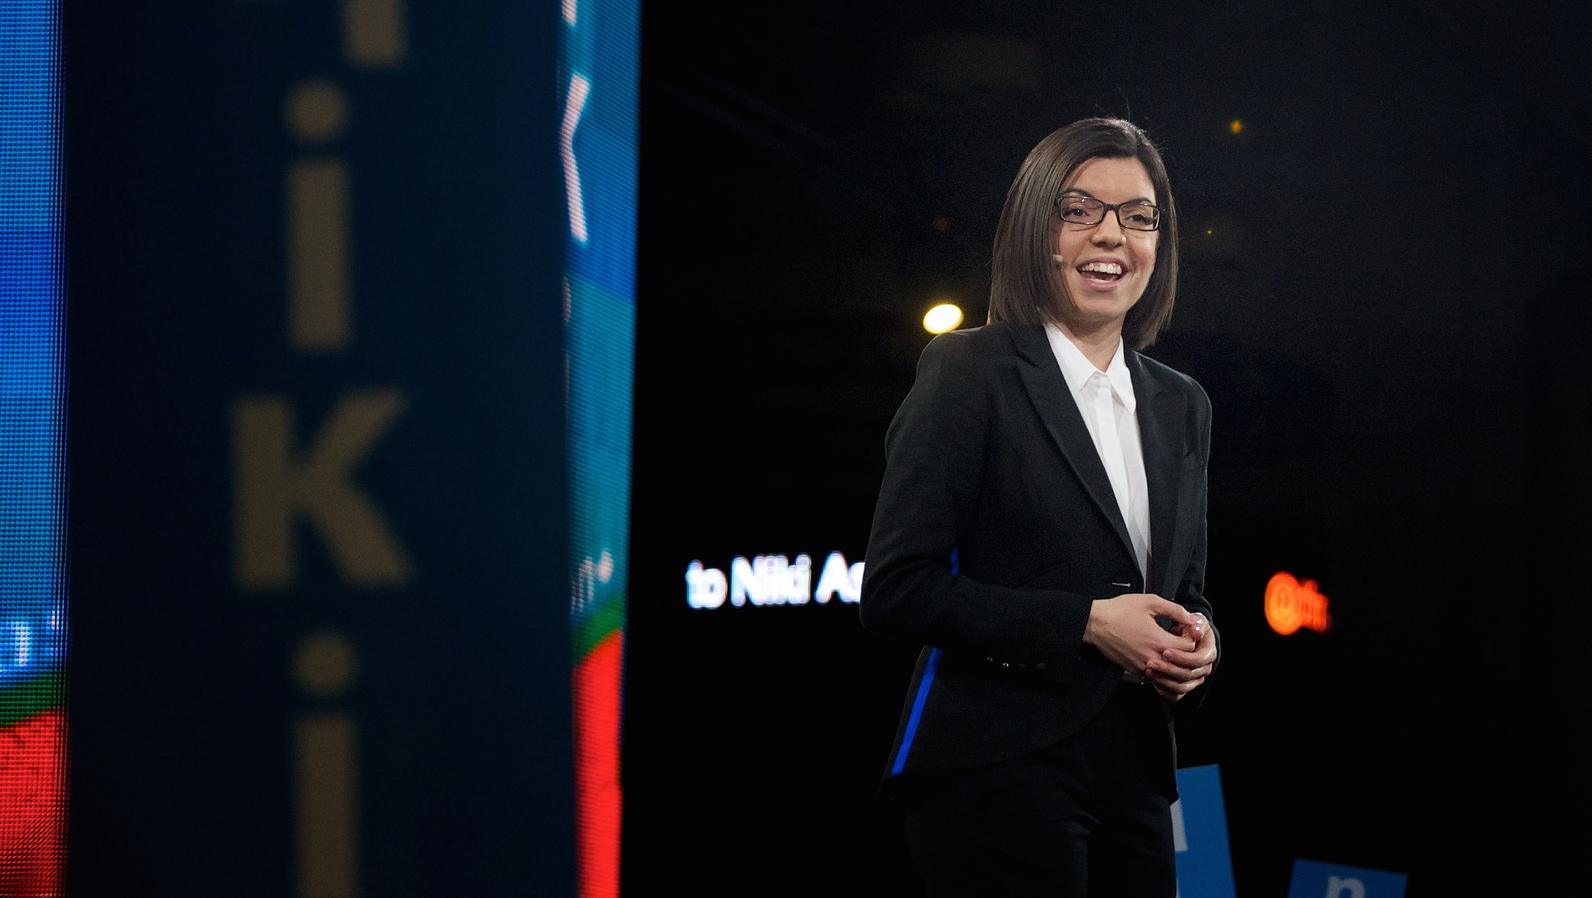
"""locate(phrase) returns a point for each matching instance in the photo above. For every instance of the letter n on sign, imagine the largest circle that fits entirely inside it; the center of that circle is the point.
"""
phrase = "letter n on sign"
(1312, 879)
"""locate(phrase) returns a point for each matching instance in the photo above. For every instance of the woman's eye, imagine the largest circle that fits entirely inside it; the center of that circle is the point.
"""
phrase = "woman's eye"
(1139, 216)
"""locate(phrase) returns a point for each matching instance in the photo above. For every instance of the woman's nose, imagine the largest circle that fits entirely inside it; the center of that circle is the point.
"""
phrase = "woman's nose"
(1108, 232)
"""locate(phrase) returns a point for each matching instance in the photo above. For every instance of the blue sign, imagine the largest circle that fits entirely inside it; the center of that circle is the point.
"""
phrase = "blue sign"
(1199, 832)
(1312, 879)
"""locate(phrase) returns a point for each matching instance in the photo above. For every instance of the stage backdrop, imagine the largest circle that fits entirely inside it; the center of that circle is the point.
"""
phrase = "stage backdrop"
(318, 513)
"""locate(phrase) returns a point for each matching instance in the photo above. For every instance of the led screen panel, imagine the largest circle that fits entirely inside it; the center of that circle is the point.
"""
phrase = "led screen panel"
(32, 592)
(597, 147)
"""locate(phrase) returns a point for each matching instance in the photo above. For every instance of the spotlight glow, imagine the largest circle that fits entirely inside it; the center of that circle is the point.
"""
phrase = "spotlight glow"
(943, 317)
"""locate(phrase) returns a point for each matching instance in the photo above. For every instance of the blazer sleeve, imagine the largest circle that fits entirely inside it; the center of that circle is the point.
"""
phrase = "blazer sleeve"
(937, 451)
(1191, 588)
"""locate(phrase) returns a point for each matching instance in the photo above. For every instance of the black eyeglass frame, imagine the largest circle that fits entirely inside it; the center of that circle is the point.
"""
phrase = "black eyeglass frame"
(1108, 207)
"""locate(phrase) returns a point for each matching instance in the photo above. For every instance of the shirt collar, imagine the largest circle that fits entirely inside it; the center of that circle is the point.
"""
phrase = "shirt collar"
(1076, 368)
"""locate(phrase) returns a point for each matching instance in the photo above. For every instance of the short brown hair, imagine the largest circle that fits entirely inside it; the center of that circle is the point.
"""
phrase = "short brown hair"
(1023, 283)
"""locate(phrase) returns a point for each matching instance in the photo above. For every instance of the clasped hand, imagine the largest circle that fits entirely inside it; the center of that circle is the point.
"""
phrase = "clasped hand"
(1124, 629)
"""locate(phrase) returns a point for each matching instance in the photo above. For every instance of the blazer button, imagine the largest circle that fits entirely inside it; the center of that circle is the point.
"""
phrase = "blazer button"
(1005, 664)
(990, 660)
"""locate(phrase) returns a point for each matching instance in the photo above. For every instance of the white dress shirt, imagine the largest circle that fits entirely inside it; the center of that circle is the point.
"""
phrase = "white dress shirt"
(1105, 400)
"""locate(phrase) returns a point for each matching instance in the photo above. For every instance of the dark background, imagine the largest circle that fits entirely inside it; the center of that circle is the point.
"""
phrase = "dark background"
(1384, 292)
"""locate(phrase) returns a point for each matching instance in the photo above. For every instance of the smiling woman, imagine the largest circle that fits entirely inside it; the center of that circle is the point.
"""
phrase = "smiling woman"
(1105, 261)
(1040, 531)
(1048, 205)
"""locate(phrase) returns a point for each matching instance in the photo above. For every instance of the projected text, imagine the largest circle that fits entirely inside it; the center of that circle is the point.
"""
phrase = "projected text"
(773, 580)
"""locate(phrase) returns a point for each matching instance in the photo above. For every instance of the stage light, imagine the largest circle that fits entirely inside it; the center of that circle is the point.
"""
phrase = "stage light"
(1291, 604)
(1236, 126)
(943, 317)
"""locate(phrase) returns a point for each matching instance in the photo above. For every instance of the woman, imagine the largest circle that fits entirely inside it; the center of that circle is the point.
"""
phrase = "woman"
(1041, 532)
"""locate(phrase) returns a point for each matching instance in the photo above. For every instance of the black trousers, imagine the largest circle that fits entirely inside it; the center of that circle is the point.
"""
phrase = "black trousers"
(1089, 816)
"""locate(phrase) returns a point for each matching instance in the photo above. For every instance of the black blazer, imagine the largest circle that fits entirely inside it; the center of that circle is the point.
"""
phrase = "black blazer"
(996, 527)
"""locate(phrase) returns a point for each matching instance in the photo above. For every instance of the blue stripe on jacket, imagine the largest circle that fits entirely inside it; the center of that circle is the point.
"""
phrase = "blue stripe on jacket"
(917, 711)
(923, 691)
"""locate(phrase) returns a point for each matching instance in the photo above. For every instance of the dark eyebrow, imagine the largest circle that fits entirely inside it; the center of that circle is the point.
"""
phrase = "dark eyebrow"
(1136, 201)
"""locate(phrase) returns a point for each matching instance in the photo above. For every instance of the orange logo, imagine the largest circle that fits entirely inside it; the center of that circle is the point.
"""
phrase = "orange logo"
(1291, 604)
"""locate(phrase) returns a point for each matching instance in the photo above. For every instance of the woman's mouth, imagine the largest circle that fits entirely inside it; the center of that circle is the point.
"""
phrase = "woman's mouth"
(1101, 274)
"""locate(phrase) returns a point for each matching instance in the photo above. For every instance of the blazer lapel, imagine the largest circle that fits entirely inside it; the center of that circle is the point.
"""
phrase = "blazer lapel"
(1047, 389)
(1161, 425)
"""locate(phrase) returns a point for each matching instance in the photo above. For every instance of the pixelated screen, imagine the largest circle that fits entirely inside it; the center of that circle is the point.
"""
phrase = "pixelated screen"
(597, 148)
(32, 591)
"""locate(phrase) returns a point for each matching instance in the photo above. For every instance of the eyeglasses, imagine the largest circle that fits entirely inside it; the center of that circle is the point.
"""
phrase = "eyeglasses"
(1086, 210)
